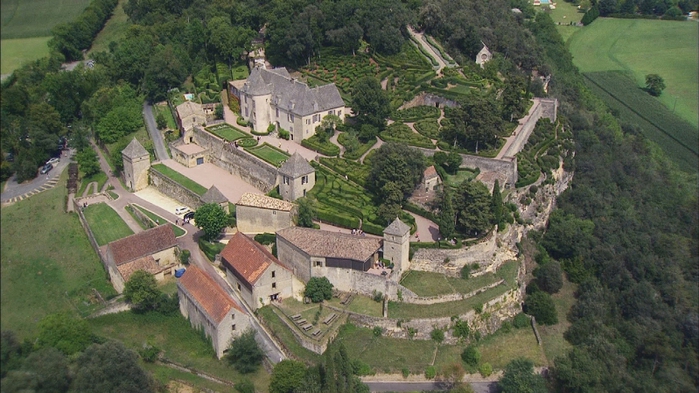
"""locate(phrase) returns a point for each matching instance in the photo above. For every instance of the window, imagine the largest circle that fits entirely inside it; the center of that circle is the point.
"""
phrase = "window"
(239, 287)
(232, 316)
(277, 112)
(274, 285)
(246, 99)
(274, 212)
(304, 179)
(330, 112)
(233, 327)
(319, 263)
(274, 274)
(290, 117)
(286, 180)
(246, 111)
(304, 192)
(308, 121)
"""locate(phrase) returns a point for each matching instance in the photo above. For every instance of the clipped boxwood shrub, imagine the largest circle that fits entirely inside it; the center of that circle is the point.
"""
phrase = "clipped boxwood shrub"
(337, 219)
(399, 132)
(416, 113)
(428, 128)
(247, 142)
(241, 121)
(327, 148)
(266, 238)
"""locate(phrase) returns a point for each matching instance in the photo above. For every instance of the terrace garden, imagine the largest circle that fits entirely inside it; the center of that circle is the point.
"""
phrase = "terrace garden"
(183, 180)
(545, 147)
(399, 132)
(227, 132)
(269, 154)
(435, 284)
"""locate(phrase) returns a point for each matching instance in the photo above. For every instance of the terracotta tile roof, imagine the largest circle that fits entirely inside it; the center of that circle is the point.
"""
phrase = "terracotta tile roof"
(146, 264)
(430, 172)
(328, 244)
(208, 293)
(247, 258)
(142, 244)
(263, 201)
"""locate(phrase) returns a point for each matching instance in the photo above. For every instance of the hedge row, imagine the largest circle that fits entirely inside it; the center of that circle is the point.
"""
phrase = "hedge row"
(337, 219)
(440, 49)
(71, 38)
(326, 148)
(413, 208)
(416, 113)
(428, 128)
(353, 155)
(425, 52)
(354, 171)
(399, 132)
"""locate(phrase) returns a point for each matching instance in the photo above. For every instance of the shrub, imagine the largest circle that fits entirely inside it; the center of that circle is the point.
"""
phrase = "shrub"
(485, 369)
(244, 353)
(319, 289)
(412, 332)
(361, 368)
(521, 320)
(437, 335)
(471, 356)
(540, 305)
(284, 134)
(266, 238)
(149, 354)
(405, 372)
(461, 329)
(466, 272)
(549, 277)
(378, 331)
(184, 257)
(247, 142)
(378, 296)
(428, 128)
(478, 308)
(271, 128)
(430, 372)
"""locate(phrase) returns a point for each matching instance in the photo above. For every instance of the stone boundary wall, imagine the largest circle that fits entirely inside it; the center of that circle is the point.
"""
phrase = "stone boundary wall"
(448, 298)
(174, 189)
(317, 346)
(109, 268)
(141, 216)
(253, 170)
(507, 166)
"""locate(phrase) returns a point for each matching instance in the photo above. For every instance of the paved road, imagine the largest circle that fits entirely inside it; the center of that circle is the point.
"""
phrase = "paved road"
(14, 191)
(478, 387)
(155, 135)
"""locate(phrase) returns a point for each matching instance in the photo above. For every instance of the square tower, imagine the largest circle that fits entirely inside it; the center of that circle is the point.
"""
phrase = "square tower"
(295, 177)
(396, 247)
(136, 165)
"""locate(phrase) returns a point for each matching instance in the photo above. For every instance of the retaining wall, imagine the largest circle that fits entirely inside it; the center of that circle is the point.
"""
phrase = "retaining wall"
(237, 161)
(317, 346)
(174, 190)
(506, 166)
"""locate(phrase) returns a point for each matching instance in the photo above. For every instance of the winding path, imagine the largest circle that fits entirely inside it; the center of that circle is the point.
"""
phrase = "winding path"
(425, 45)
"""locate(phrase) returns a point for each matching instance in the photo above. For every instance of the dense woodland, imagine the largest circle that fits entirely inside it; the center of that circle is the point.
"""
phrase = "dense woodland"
(626, 230)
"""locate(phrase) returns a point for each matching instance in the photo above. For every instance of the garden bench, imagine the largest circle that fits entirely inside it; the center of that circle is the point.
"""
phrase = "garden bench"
(330, 318)
(295, 317)
(300, 322)
(316, 332)
(307, 327)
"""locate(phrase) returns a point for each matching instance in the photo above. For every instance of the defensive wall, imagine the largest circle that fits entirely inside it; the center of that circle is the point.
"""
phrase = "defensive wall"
(174, 190)
(506, 166)
(237, 161)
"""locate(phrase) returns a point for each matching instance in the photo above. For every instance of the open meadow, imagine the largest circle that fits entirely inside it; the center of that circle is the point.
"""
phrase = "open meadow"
(25, 28)
(640, 47)
(47, 263)
(114, 30)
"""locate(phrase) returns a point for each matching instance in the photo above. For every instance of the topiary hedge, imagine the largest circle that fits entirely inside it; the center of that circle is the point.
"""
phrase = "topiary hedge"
(247, 142)
(325, 148)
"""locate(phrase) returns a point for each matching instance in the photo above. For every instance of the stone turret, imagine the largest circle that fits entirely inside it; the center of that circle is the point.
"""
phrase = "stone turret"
(396, 247)
(296, 177)
(136, 165)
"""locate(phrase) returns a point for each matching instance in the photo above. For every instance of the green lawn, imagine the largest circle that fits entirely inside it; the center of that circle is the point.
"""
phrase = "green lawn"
(36, 18)
(460, 176)
(114, 30)
(167, 114)
(386, 354)
(563, 15)
(18, 51)
(165, 374)
(407, 310)
(47, 264)
(105, 223)
(434, 284)
(227, 132)
(99, 177)
(269, 153)
(640, 47)
(174, 335)
(180, 178)
(361, 305)
(178, 231)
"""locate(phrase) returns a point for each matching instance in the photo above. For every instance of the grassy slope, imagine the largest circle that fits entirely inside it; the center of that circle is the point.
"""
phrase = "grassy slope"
(564, 14)
(47, 263)
(552, 336)
(641, 47)
(106, 224)
(113, 30)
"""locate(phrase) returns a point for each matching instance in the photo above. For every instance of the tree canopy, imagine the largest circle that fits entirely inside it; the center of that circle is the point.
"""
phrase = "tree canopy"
(244, 353)
(398, 164)
(318, 289)
(211, 218)
(142, 291)
(110, 368)
(370, 102)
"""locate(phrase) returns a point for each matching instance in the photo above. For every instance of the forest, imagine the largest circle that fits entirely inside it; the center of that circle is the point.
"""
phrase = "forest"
(626, 230)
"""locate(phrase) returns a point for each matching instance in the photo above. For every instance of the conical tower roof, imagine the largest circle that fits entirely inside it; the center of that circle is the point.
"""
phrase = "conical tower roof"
(296, 166)
(213, 195)
(134, 150)
(397, 228)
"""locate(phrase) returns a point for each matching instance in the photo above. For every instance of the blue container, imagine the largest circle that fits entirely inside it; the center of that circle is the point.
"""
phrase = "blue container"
(179, 272)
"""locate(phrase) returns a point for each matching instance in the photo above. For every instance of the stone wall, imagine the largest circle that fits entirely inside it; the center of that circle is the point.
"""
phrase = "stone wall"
(414, 299)
(317, 346)
(429, 99)
(237, 161)
(254, 220)
(507, 166)
(525, 131)
(174, 190)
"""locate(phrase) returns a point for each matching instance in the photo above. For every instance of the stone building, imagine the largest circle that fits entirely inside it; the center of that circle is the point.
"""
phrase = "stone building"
(273, 97)
(256, 213)
(209, 308)
(255, 273)
(431, 179)
(153, 250)
(483, 56)
(189, 154)
(136, 161)
(396, 246)
(189, 115)
(296, 177)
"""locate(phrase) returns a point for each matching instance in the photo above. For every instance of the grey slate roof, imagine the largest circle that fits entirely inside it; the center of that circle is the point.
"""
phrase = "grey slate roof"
(296, 166)
(213, 195)
(134, 150)
(397, 228)
(290, 94)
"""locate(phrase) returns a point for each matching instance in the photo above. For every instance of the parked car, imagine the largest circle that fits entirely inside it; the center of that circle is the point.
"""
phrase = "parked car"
(46, 169)
(53, 160)
(181, 210)
(189, 216)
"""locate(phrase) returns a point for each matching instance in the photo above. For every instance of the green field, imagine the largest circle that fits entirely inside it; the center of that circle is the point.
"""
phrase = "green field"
(47, 263)
(114, 30)
(18, 51)
(36, 18)
(563, 15)
(105, 223)
(640, 47)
